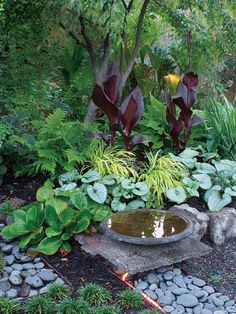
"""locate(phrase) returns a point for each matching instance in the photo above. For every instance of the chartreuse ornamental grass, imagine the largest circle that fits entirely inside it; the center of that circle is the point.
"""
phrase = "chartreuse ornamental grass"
(161, 174)
(130, 299)
(111, 160)
(57, 291)
(94, 294)
(8, 306)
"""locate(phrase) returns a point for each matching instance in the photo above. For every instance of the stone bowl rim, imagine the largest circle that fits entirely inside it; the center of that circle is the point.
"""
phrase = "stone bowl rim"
(188, 231)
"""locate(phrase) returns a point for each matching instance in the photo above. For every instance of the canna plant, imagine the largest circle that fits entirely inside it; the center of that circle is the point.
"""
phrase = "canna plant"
(107, 95)
(180, 98)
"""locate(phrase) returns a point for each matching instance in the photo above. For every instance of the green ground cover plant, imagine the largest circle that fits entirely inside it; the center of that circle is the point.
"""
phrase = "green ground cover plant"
(215, 178)
(94, 294)
(130, 299)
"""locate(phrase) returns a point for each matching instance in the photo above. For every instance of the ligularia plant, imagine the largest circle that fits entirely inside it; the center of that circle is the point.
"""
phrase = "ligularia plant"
(216, 179)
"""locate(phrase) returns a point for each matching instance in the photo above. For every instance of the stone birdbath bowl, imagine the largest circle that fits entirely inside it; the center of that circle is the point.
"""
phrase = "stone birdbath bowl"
(147, 227)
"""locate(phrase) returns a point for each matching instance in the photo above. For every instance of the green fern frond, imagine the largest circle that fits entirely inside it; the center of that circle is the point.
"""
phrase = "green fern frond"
(74, 156)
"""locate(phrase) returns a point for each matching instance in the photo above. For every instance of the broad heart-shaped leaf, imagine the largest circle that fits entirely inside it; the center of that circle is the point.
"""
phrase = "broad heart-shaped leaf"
(101, 214)
(203, 167)
(82, 224)
(204, 180)
(79, 200)
(14, 230)
(108, 180)
(67, 216)
(208, 192)
(50, 246)
(100, 100)
(192, 192)
(117, 205)
(69, 177)
(132, 110)
(135, 204)
(189, 153)
(220, 166)
(117, 191)
(177, 195)
(44, 194)
(216, 201)
(57, 203)
(127, 184)
(52, 217)
(141, 189)
(90, 176)
(35, 217)
(231, 191)
(97, 192)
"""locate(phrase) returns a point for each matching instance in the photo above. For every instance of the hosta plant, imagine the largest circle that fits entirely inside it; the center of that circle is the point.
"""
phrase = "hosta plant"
(215, 179)
(179, 99)
(48, 224)
(119, 193)
(107, 95)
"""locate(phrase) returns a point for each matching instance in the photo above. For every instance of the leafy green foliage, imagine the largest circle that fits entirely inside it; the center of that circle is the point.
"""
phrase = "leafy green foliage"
(39, 305)
(130, 299)
(70, 306)
(8, 306)
(101, 191)
(58, 144)
(94, 294)
(220, 119)
(57, 291)
(108, 309)
(108, 160)
(161, 173)
(216, 179)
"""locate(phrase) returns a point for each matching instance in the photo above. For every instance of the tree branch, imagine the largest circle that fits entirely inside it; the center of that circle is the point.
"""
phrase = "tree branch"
(89, 45)
(137, 42)
(72, 35)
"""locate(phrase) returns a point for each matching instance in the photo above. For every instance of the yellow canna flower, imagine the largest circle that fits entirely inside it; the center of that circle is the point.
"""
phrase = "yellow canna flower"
(172, 80)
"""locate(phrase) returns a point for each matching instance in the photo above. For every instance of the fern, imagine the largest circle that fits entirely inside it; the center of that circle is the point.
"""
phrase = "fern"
(58, 145)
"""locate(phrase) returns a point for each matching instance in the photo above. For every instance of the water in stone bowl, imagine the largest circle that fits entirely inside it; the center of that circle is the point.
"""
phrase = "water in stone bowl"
(147, 226)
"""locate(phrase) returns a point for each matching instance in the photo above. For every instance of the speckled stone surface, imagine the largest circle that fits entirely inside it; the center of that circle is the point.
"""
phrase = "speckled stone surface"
(135, 258)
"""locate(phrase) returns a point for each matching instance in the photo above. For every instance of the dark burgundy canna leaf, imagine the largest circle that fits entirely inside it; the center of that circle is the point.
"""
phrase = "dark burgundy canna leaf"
(112, 83)
(195, 120)
(190, 80)
(188, 96)
(101, 101)
(132, 110)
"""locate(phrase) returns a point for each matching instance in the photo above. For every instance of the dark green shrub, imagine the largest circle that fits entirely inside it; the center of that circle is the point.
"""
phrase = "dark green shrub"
(39, 305)
(108, 309)
(94, 294)
(71, 306)
(130, 299)
(8, 306)
(57, 291)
